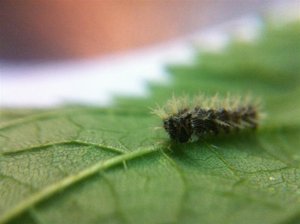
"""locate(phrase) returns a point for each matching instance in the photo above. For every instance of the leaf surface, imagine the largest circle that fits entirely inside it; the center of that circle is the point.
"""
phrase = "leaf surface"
(95, 165)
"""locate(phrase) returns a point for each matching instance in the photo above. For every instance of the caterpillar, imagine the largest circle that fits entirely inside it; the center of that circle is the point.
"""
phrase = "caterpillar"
(183, 119)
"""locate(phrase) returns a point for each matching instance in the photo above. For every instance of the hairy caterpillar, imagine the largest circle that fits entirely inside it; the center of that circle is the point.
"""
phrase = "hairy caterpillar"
(183, 118)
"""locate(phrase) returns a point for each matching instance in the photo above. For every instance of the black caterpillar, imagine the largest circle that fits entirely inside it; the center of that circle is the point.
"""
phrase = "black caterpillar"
(182, 121)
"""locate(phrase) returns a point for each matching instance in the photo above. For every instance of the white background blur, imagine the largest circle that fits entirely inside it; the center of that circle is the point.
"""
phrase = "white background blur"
(96, 80)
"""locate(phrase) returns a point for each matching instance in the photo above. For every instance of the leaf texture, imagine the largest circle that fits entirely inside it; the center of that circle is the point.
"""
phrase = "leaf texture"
(95, 165)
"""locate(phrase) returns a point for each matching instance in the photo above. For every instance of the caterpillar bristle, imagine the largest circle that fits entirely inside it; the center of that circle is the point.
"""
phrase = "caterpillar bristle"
(183, 118)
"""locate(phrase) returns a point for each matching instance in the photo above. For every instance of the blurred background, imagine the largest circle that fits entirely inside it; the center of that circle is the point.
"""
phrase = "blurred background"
(86, 51)
(65, 29)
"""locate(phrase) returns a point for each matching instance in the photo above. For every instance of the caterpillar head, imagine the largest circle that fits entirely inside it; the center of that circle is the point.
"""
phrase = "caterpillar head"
(179, 127)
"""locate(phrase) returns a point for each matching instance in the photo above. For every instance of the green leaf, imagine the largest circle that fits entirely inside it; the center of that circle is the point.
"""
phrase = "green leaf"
(95, 165)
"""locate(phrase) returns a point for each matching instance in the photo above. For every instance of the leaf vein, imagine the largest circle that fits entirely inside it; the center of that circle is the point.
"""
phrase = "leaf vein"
(41, 147)
(184, 181)
(118, 211)
(71, 180)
